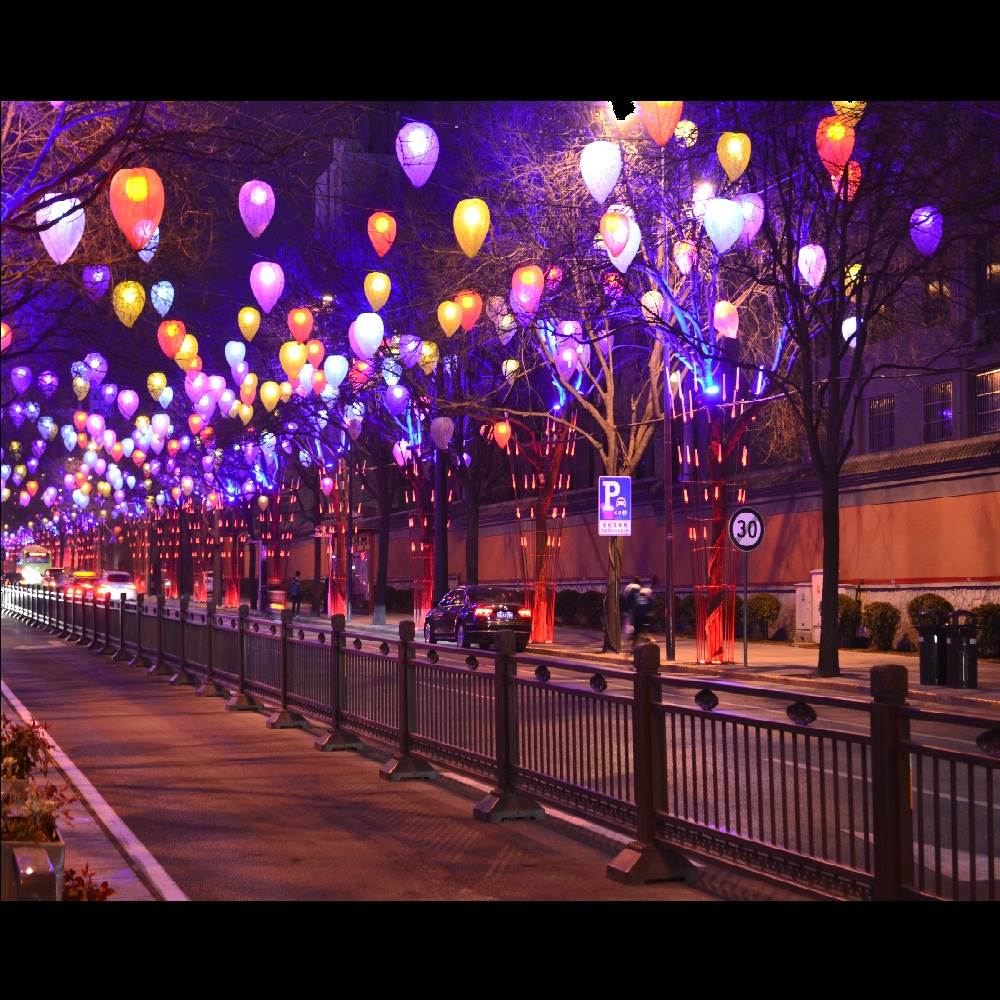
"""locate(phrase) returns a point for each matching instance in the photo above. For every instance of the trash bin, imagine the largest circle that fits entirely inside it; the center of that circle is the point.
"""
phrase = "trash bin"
(932, 630)
(962, 652)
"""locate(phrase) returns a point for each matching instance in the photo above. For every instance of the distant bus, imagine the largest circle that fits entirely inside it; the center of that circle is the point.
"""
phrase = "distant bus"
(34, 562)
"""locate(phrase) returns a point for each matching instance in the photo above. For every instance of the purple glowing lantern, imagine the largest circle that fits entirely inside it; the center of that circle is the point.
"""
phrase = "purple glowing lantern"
(97, 368)
(16, 411)
(256, 203)
(128, 403)
(397, 398)
(267, 281)
(48, 382)
(417, 149)
(21, 379)
(109, 393)
(38, 448)
(96, 280)
(926, 227)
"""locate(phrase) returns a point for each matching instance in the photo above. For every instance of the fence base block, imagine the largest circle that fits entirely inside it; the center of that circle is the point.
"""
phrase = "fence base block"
(106, 650)
(243, 703)
(639, 863)
(406, 768)
(139, 661)
(119, 656)
(337, 739)
(160, 670)
(182, 677)
(499, 806)
(286, 719)
(210, 689)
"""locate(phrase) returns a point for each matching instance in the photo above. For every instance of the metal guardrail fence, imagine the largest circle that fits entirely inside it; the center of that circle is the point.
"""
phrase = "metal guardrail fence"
(858, 807)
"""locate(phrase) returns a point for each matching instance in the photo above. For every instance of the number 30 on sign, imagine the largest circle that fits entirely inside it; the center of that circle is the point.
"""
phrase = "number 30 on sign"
(746, 529)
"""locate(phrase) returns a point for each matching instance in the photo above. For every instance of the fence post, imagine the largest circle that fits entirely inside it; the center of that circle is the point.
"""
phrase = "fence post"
(106, 647)
(63, 632)
(645, 860)
(892, 820)
(82, 641)
(93, 642)
(52, 604)
(182, 676)
(336, 738)
(403, 765)
(242, 701)
(159, 667)
(120, 653)
(33, 605)
(503, 802)
(139, 660)
(70, 634)
(285, 718)
(210, 689)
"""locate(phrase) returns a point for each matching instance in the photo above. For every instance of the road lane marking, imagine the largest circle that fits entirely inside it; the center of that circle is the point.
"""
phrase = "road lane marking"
(125, 839)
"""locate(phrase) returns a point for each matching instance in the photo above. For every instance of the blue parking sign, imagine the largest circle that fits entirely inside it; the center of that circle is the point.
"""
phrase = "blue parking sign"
(614, 505)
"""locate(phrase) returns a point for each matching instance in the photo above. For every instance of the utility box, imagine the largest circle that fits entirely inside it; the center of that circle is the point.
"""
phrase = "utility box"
(803, 612)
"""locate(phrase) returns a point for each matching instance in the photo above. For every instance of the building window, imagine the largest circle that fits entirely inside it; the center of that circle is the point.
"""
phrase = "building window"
(988, 402)
(937, 301)
(881, 422)
(937, 412)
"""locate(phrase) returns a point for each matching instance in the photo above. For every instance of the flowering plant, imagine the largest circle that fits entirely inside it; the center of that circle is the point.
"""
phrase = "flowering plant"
(80, 888)
(22, 749)
(33, 817)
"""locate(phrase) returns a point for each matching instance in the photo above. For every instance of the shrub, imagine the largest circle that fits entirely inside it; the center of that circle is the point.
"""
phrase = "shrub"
(763, 610)
(592, 608)
(987, 619)
(23, 748)
(881, 620)
(80, 888)
(848, 616)
(926, 602)
(684, 614)
(567, 606)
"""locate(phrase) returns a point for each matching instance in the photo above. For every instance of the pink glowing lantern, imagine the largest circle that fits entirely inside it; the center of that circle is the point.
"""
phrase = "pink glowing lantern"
(267, 281)
(417, 150)
(553, 278)
(95, 426)
(256, 203)
(326, 485)
(128, 403)
(753, 217)
(926, 228)
(526, 287)
(615, 232)
(812, 264)
(727, 319)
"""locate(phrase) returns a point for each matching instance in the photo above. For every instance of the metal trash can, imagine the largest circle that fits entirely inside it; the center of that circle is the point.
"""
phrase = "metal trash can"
(962, 653)
(932, 630)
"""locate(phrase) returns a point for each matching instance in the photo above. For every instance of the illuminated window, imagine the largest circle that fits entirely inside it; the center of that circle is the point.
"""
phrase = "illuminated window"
(988, 402)
(937, 301)
(881, 423)
(937, 412)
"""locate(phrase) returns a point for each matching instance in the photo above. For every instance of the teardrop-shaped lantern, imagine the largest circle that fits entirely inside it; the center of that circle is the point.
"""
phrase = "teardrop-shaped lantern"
(170, 336)
(600, 166)
(267, 282)
(510, 369)
(417, 150)
(614, 232)
(248, 320)
(835, 143)
(471, 222)
(812, 264)
(660, 119)
(269, 395)
(926, 228)
(727, 319)
(187, 353)
(684, 254)
(526, 287)
(256, 203)
(850, 189)
(127, 300)
(397, 398)
(449, 316)
(62, 236)
(430, 355)
(367, 335)
(724, 221)
(851, 110)
(162, 297)
(753, 217)
(381, 232)
(377, 289)
(292, 356)
(652, 305)
(501, 433)
(148, 252)
(442, 430)
(137, 204)
(96, 280)
(409, 350)
(471, 304)
(627, 255)
(21, 379)
(733, 151)
(235, 352)
(300, 323)
(335, 370)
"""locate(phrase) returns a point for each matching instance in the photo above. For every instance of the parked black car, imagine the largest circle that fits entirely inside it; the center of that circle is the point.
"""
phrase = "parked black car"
(475, 613)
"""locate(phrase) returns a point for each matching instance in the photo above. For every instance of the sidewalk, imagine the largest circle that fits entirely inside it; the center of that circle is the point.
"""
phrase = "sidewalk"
(772, 663)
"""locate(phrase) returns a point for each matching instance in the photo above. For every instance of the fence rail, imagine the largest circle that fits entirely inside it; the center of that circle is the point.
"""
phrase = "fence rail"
(858, 806)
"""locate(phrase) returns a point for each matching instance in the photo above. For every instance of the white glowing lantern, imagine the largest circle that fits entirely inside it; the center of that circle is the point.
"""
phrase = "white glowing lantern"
(601, 166)
(335, 369)
(652, 305)
(724, 222)
(61, 239)
(684, 256)
(753, 215)
(702, 193)
(849, 328)
(812, 264)
(510, 368)
(627, 255)
(442, 429)
(417, 150)
(162, 297)
(367, 334)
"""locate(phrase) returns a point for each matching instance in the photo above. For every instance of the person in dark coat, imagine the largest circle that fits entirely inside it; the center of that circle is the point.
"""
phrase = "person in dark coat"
(295, 592)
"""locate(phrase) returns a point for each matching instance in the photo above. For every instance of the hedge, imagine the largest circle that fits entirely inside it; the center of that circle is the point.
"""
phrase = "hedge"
(881, 619)
(926, 602)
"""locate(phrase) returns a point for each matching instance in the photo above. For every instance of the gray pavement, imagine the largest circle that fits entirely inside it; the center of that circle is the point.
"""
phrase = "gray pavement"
(234, 811)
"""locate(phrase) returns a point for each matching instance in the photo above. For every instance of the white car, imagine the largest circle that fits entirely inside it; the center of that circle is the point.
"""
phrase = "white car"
(116, 582)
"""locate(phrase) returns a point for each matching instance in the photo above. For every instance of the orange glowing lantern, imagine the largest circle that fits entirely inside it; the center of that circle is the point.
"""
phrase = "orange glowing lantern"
(137, 204)
(382, 232)
(300, 323)
(660, 118)
(835, 142)
(315, 352)
(248, 319)
(80, 420)
(170, 335)
(471, 304)
(501, 433)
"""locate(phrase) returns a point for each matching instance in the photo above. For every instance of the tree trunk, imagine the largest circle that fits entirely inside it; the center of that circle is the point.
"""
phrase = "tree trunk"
(384, 525)
(829, 658)
(612, 613)
(472, 534)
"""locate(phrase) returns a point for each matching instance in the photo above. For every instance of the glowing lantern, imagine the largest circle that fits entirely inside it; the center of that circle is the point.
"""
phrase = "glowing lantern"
(246, 413)
(510, 368)
(702, 193)
(377, 289)
(137, 204)
(235, 352)
(471, 305)
(727, 319)
(95, 368)
(148, 252)
(95, 426)
(812, 264)
(315, 352)
(417, 150)
(686, 133)
(853, 181)
(256, 203)
(429, 356)
(401, 452)
(615, 232)
(442, 430)
(269, 395)
(96, 280)
(16, 412)
(733, 151)
(292, 356)
(162, 297)
(366, 334)
(623, 259)
(249, 322)
(613, 285)
(300, 323)
(170, 336)
(381, 232)
(187, 353)
(835, 142)
(449, 317)
(248, 389)
(553, 278)
(660, 118)
(926, 227)
(753, 217)
(195, 423)
(81, 387)
(397, 398)
(652, 305)
(601, 166)
(359, 373)
(267, 282)
(501, 433)
(849, 328)
(471, 222)
(566, 361)
(6, 336)
(61, 237)
(526, 287)
(724, 222)
(335, 370)
(21, 378)
(166, 397)
(852, 274)
(127, 299)
(155, 384)
(851, 110)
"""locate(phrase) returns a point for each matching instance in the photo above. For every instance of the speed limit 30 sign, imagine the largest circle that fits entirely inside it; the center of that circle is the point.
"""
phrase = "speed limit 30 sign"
(746, 529)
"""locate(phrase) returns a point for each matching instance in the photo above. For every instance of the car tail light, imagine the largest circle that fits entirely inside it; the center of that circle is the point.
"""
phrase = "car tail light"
(524, 612)
(486, 612)
(104, 590)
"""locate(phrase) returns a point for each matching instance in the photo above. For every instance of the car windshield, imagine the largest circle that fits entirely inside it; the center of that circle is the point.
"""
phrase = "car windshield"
(118, 577)
(497, 595)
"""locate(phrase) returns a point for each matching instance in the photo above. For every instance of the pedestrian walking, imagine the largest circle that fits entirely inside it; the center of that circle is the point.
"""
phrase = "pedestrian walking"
(295, 592)
(628, 600)
(641, 609)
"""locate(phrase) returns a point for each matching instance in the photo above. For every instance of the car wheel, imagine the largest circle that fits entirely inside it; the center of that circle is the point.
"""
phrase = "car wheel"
(429, 635)
(460, 637)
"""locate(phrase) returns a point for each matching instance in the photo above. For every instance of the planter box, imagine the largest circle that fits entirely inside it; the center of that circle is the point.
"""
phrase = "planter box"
(8, 868)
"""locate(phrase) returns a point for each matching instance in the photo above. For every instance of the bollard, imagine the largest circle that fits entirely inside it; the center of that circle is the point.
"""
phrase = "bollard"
(242, 701)
(210, 689)
(336, 738)
(892, 819)
(503, 802)
(403, 765)
(138, 660)
(159, 667)
(182, 676)
(120, 653)
(284, 718)
(645, 860)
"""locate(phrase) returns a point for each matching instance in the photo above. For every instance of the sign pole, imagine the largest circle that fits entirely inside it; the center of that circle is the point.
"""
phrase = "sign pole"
(746, 573)
(746, 532)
